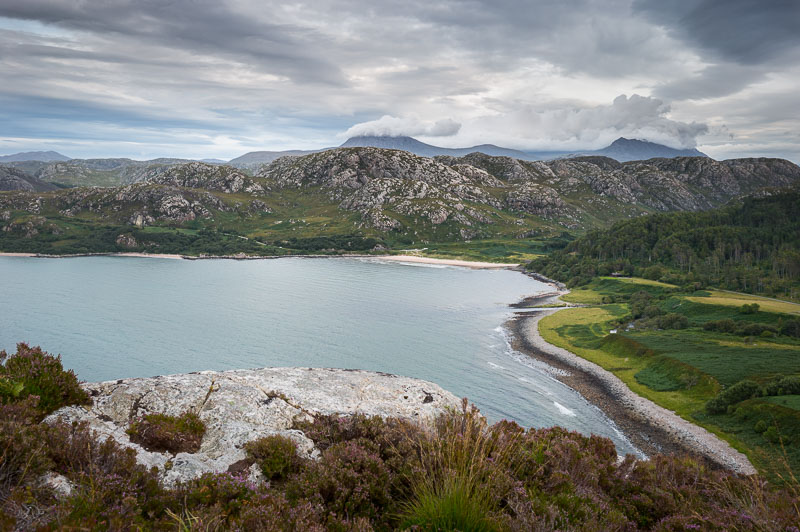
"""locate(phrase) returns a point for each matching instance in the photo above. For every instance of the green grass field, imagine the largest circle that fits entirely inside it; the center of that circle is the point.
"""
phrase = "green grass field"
(682, 369)
(732, 299)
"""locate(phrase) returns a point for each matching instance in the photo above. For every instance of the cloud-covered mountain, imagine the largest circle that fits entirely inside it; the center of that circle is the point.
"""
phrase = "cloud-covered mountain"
(45, 156)
(624, 150)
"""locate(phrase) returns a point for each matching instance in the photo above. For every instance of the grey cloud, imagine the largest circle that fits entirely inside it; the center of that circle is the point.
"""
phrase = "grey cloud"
(741, 31)
(569, 127)
(712, 82)
(204, 26)
(264, 73)
(392, 126)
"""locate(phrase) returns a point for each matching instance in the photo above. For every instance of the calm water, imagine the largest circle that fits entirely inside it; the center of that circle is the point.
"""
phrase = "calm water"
(114, 317)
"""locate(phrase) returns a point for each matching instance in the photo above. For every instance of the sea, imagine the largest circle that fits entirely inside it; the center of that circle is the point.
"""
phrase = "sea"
(112, 317)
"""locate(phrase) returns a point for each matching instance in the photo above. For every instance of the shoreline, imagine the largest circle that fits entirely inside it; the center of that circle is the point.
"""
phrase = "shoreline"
(650, 427)
(476, 265)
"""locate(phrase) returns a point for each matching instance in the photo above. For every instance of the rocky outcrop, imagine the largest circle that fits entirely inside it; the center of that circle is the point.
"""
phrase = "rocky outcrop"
(218, 178)
(242, 405)
(15, 179)
(149, 202)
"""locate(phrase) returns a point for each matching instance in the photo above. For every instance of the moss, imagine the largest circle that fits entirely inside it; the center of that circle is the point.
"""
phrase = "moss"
(173, 434)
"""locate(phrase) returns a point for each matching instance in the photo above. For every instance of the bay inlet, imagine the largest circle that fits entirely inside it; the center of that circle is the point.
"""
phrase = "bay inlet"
(118, 317)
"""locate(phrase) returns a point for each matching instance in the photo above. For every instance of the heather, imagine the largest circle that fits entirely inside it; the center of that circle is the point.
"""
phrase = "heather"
(458, 473)
(172, 434)
(33, 372)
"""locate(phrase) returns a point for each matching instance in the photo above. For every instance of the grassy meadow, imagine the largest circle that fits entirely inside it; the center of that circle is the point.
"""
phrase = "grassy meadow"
(683, 348)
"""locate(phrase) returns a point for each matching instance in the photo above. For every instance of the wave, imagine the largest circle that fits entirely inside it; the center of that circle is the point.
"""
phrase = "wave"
(564, 410)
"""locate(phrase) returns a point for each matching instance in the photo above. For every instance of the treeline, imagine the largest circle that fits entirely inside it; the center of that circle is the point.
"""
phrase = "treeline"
(752, 246)
(107, 239)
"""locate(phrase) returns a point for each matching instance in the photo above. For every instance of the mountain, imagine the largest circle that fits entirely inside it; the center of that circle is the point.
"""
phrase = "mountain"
(624, 150)
(349, 197)
(15, 179)
(254, 159)
(46, 156)
(416, 147)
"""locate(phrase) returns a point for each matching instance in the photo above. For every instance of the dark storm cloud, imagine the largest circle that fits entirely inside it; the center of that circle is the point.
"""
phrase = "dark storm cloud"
(199, 26)
(741, 31)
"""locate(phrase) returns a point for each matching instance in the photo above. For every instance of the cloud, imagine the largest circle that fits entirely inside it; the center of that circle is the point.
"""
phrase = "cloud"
(392, 126)
(559, 126)
(281, 75)
(740, 31)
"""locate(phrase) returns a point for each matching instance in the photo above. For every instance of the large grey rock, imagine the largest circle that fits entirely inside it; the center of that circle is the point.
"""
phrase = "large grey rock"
(242, 405)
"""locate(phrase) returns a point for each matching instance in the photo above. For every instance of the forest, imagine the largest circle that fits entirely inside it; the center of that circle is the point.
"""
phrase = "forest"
(750, 246)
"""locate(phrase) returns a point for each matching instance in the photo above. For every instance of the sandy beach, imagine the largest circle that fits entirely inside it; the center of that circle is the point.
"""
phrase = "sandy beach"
(651, 428)
(446, 262)
(149, 255)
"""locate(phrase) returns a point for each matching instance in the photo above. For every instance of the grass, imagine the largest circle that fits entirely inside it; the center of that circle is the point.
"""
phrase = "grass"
(789, 401)
(732, 299)
(683, 369)
(581, 331)
(727, 363)
(614, 287)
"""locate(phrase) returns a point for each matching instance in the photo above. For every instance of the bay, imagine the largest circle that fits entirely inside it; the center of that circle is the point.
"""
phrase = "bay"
(117, 317)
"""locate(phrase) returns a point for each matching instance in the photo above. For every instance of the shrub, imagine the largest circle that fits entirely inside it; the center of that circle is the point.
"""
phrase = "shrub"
(673, 321)
(791, 328)
(737, 393)
(349, 480)
(23, 448)
(41, 374)
(724, 326)
(761, 426)
(772, 435)
(751, 308)
(276, 455)
(653, 273)
(784, 386)
(173, 434)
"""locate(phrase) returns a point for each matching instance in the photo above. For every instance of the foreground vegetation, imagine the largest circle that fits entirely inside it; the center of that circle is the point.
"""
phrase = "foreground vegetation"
(372, 474)
(728, 362)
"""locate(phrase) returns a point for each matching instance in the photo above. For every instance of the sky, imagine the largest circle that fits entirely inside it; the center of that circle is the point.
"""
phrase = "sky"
(219, 78)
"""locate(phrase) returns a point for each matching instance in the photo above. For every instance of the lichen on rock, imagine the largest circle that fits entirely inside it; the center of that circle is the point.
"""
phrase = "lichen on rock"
(239, 406)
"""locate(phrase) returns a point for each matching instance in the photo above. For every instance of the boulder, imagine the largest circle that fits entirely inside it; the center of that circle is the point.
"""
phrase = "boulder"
(242, 405)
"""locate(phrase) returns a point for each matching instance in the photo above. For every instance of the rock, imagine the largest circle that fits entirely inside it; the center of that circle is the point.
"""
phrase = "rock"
(242, 405)
(127, 241)
(218, 178)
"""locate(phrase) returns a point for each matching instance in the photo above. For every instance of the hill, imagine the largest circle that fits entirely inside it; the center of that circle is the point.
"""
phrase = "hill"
(254, 159)
(14, 179)
(752, 245)
(45, 156)
(624, 150)
(387, 197)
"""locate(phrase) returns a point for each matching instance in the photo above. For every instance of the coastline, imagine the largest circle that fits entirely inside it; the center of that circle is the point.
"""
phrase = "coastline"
(446, 262)
(477, 265)
(650, 427)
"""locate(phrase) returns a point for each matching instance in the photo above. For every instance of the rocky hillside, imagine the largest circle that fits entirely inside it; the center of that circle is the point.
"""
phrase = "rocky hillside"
(15, 179)
(384, 186)
(389, 195)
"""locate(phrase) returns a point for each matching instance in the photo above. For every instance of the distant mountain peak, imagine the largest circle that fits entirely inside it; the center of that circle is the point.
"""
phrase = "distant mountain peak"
(624, 149)
(44, 156)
